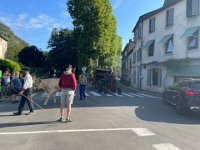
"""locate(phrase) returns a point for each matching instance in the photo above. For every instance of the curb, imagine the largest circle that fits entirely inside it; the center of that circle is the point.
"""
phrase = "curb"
(142, 91)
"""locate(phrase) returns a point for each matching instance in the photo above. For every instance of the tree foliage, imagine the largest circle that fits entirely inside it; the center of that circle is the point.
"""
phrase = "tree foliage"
(63, 49)
(15, 44)
(8, 64)
(31, 57)
(96, 30)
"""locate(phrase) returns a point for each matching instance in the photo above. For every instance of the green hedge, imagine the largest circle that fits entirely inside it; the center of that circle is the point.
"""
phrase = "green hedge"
(13, 66)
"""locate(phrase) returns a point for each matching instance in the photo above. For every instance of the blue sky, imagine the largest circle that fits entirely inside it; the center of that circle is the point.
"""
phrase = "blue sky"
(33, 20)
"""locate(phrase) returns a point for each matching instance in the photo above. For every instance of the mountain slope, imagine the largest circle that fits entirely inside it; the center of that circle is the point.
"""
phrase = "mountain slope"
(15, 44)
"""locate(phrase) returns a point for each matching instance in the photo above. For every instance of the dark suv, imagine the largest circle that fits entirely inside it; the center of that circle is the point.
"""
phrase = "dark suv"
(184, 94)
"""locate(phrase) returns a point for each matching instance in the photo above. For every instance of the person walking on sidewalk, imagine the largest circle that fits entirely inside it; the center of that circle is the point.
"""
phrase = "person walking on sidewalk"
(68, 85)
(26, 93)
(82, 85)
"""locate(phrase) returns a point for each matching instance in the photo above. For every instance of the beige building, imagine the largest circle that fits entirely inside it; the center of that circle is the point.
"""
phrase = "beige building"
(166, 45)
(3, 47)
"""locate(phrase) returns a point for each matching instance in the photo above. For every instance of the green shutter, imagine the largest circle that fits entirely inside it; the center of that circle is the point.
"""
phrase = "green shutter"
(189, 32)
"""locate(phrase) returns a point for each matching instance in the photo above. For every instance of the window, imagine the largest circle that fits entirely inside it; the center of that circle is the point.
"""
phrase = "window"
(152, 25)
(151, 49)
(193, 41)
(140, 31)
(139, 55)
(154, 77)
(130, 64)
(192, 8)
(134, 57)
(170, 17)
(134, 77)
(169, 46)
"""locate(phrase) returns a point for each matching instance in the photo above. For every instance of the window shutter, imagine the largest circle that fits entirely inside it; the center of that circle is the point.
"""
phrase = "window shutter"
(171, 16)
(195, 7)
(188, 8)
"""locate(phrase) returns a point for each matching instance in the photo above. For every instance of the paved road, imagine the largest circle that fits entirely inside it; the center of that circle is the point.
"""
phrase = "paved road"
(103, 122)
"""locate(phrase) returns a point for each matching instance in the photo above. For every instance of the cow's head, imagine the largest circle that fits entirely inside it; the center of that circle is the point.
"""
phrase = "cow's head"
(37, 83)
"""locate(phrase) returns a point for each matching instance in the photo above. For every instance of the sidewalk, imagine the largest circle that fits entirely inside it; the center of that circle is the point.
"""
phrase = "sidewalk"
(141, 90)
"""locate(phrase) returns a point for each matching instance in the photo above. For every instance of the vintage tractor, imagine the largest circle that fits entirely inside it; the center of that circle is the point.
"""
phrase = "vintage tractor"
(105, 81)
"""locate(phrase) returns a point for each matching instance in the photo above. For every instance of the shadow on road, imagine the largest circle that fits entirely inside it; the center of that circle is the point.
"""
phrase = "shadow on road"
(159, 112)
(19, 124)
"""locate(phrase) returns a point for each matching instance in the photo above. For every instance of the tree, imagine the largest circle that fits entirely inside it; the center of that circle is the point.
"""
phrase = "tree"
(96, 30)
(31, 57)
(63, 49)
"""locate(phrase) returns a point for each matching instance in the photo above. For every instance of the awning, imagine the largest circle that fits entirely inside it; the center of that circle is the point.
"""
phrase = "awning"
(189, 32)
(187, 71)
(165, 39)
(148, 44)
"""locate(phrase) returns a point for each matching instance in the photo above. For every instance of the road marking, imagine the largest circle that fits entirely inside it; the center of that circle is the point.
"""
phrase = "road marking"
(44, 94)
(109, 95)
(128, 95)
(143, 132)
(165, 146)
(137, 95)
(66, 131)
(149, 96)
(95, 94)
(118, 95)
(34, 94)
(86, 94)
(58, 93)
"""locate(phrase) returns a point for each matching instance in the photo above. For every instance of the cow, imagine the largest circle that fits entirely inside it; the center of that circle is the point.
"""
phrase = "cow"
(50, 86)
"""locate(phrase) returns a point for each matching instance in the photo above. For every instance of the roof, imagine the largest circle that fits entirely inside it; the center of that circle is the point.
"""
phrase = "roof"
(166, 4)
(3, 37)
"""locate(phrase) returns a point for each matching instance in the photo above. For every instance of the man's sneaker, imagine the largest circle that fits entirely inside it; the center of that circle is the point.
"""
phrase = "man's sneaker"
(17, 113)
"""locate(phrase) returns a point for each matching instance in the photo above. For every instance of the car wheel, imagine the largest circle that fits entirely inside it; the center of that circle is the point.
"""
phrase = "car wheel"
(181, 108)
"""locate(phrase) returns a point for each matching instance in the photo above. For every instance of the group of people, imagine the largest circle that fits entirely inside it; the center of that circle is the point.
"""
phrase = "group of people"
(67, 83)
(11, 85)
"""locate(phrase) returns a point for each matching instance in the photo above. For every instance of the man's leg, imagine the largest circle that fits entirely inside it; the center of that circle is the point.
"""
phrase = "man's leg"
(27, 93)
(21, 106)
(63, 101)
(81, 92)
(84, 92)
(69, 107)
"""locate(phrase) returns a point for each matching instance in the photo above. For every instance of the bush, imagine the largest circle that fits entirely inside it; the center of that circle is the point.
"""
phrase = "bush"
(13, 66)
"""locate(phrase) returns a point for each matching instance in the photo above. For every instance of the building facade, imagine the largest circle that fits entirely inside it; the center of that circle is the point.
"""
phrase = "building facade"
(3, 47)
(166, 45)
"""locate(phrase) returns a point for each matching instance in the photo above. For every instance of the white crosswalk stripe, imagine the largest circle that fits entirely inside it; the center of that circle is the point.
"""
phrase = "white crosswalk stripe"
(109, 95)
(58, 93)
(165, 146)
(92, 93)
(44, 94)
(137, 95)
(95, 94)
(118, 95)
(146, 95)
(128, 95)
(86, 94)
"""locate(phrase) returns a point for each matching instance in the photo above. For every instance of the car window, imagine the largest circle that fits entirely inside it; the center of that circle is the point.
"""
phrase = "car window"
(196, 85)
(181, 84)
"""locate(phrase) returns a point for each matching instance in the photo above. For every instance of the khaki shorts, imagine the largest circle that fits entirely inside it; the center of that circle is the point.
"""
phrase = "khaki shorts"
(67, 97)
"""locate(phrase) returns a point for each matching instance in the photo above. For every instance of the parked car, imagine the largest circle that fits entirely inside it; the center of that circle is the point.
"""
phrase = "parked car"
(184, 94)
